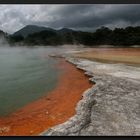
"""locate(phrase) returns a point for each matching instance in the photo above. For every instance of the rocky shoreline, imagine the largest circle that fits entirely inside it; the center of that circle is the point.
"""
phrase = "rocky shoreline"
(110, 107)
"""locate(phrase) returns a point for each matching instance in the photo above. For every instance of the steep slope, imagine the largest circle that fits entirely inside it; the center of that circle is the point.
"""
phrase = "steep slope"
(30, 29)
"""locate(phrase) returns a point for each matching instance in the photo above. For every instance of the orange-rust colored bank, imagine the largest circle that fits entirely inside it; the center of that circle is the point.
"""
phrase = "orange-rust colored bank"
(52, 109)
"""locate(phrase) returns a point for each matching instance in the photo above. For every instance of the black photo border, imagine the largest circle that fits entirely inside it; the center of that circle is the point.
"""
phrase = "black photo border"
(68, 2)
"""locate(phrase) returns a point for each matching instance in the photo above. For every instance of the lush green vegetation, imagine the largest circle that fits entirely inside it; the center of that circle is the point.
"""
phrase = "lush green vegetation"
(103, 36)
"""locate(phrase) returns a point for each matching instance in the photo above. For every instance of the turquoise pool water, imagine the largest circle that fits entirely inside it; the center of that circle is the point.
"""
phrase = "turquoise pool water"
(25, 75)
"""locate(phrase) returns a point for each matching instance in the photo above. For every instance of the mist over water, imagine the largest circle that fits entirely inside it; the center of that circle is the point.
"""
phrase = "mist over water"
(3, 42)
(25, 75)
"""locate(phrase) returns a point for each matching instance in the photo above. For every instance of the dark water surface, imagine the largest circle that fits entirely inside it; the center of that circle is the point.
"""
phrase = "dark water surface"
(25, 75)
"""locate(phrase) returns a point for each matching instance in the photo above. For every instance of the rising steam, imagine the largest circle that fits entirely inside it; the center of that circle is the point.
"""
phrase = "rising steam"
(3, 41)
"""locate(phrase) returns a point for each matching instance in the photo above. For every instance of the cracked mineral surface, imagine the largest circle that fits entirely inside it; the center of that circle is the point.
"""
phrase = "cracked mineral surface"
(111, 107)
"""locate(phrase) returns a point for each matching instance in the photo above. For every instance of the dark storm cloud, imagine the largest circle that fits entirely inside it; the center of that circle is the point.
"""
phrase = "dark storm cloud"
(97, 15)
(84, 17)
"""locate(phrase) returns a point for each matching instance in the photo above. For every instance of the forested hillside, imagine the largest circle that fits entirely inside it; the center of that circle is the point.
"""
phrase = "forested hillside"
(103, 36)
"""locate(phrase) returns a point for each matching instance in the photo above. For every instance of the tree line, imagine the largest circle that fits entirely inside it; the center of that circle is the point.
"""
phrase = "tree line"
(103, 36)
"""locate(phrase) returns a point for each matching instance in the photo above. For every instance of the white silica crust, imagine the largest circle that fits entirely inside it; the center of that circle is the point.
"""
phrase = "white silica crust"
(110, 107)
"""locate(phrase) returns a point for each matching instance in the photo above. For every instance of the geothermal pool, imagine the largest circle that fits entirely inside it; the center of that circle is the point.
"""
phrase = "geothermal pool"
(25, 75)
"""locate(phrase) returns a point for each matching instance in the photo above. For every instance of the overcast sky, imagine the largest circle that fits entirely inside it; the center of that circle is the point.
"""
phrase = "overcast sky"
(81, 17)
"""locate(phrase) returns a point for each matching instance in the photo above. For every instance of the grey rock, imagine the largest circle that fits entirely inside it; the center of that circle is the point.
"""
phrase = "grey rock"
(110, 107)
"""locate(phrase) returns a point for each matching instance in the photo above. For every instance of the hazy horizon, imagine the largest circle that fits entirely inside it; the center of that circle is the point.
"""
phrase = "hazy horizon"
(86, 17)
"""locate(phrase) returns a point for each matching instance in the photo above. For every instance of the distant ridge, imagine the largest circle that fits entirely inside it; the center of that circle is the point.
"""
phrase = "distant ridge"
(32, 35)
(30, 29)
(65, 30)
